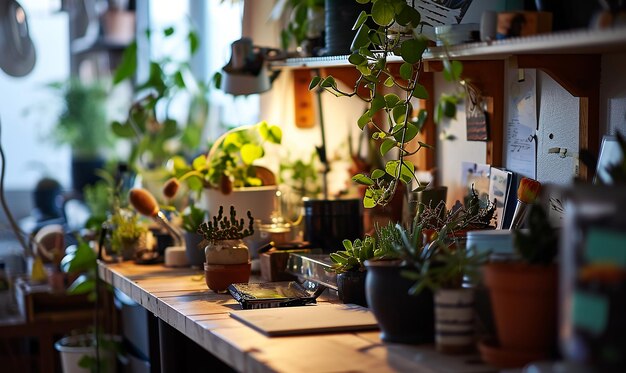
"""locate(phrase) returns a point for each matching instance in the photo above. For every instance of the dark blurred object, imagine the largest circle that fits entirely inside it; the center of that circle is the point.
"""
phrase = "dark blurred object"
(569, 14)
(18, 52)
(274, 260)
(340, 16)
(47, 199)
(84, 172)
(328, 222)
(514, 24)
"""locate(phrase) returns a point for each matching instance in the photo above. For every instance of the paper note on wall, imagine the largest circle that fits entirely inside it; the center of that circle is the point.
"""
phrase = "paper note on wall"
(521, 145)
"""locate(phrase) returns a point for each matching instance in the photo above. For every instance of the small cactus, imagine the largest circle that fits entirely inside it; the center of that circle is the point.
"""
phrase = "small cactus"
(224, 228)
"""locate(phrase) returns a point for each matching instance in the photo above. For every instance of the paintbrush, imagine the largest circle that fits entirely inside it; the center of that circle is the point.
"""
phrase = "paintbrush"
(145, 203)
(527, 193)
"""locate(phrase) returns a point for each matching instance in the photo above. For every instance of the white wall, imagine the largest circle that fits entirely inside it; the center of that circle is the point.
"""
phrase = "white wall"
(613, 94)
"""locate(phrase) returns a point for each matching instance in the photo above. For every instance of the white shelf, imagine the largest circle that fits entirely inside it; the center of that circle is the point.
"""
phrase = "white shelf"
(569, 42)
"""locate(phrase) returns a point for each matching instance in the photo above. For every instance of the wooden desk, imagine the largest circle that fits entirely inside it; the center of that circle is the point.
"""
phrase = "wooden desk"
(180, 298)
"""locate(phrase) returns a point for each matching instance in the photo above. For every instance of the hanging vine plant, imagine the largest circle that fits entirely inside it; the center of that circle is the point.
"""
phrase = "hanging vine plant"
(392, 33)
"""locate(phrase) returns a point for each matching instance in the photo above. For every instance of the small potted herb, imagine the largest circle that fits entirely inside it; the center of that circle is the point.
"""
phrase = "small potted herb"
(192, 217)
(227, 256)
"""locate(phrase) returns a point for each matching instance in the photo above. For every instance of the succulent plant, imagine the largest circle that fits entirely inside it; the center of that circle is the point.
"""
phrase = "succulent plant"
(221, 227)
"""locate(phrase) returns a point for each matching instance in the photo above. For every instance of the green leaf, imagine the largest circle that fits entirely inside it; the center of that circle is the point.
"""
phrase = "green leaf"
(406, 71)
(250, 153)
(362, 179)
(398, 113)
(364, 120)
(82, 285)
(389, 82)
(449, 109)
(362, 1)
(128, 65)
(270, 132)
(194, 42)
(168, 31)
(378, 102)
(217, 80)
(377, 174)
(452, 70)
(124, 131)
(412, 50)
(314, 82)
(387, 145)
(411, 132)
(383, 13)
(360, 20)
(391, 100)
(408, 15)
(406, 171)
(361, 38)
(170, 129)
(376, 37)
(328, 82)
(368, 201)
(179, 81)
(199, 163)
(420, 92)
(356, 59)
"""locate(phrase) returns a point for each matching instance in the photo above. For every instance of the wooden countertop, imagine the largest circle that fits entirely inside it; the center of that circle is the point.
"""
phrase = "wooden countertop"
(181, 298)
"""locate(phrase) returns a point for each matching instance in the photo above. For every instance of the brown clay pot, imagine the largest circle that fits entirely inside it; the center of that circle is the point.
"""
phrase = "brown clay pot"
(524, 301)
(219, 276)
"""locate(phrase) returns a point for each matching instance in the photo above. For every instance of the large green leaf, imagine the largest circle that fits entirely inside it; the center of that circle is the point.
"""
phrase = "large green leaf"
(408, 16)
(406, 71)
(250, 153)
(420, 92)
(360, 20)
(378, 102)
(82, 285)
(356, 59)
(314, 82)
(361, 39)
(383, 12)
(387, 145)
(124, 131)
(364, 120)
(411, 132)
(406, 171)
(377, 174)
(362, 179)
(271, 133)
(412, 50)
(128, 65)
(391, 100)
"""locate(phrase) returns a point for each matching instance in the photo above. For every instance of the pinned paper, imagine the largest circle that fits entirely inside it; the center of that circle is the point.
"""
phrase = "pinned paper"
(521, 146)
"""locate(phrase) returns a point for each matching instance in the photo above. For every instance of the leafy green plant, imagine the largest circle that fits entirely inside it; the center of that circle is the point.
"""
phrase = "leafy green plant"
(300, 25)
(230, 160)
(358, 251)
(301, 176)
(149, 132)
(126, 228)
(192, 217)
(540, 244)
(82, 123)
(390, 114)
(225, 228)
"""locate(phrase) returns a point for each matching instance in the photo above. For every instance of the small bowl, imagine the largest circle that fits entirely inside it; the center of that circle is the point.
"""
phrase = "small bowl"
(219, 276)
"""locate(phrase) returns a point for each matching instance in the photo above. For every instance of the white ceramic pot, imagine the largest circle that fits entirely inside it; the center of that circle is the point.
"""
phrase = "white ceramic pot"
(259, 200)
(454, 320)
(73, 348)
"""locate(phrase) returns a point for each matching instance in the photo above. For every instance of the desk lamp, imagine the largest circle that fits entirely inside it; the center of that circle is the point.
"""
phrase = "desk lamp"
(247, 73)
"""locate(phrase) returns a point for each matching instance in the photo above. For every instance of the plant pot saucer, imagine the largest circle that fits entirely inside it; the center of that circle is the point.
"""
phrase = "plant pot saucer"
(492, 353)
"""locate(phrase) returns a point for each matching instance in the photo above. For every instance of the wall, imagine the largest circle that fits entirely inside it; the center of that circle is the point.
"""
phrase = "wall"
(613, 94)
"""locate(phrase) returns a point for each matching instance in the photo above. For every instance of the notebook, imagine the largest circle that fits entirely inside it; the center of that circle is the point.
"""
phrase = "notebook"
(310, 319)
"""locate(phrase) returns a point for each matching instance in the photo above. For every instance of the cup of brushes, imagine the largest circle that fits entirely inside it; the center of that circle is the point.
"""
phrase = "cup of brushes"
(145, 203)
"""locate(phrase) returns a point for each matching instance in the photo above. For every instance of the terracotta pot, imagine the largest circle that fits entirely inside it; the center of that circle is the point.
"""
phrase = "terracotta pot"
(454, 321)
(524, 300)
(219, 276)
(403, 318)
(351, 287)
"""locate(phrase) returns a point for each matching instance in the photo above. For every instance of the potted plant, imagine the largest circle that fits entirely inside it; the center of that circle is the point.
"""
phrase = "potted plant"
(228, 175)
(95, 350)
(400, 291)
(349, 264)
(227, 257)
(391, 115)
(524, 296)
(305, 24)
(192, 218)
(82, 125)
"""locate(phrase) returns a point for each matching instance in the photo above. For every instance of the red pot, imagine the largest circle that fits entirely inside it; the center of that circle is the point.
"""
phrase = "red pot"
(219, 276)
(524, 302)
